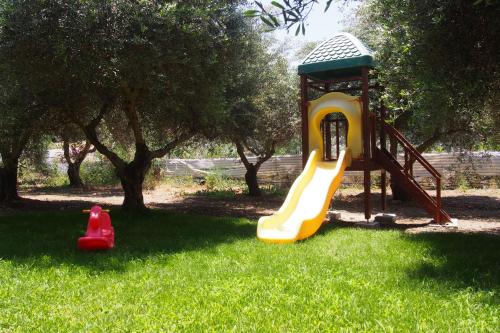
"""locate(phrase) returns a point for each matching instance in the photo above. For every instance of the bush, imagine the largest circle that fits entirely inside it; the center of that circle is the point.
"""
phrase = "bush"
(98, 172)
(41, 173)
(155, 175)
(215, 182)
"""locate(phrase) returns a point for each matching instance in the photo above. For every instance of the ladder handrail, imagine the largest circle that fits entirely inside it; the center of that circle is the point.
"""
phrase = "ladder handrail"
(408, 165)
(414, 152)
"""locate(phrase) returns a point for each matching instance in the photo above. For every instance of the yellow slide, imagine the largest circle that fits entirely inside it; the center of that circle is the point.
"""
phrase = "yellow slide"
(307, 202)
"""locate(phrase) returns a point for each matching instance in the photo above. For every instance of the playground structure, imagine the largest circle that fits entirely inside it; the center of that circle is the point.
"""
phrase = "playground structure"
(338, 66)
(100, 234)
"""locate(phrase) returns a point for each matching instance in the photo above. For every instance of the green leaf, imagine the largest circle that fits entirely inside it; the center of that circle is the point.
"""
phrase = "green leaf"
(275, 20)
(277, 4)
(328, 3)
(303, 29)
(267, 21)
(298, 30)
(251, 13)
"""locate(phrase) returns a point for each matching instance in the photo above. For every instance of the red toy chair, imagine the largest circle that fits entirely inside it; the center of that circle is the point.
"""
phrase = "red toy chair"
(100, 234)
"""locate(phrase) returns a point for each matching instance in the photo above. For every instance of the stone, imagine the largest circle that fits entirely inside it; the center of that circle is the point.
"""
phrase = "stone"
(453, 224)
(384, 218)
(333, 215)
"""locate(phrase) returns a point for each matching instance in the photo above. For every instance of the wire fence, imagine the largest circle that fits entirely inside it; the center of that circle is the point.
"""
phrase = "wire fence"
(478, 169)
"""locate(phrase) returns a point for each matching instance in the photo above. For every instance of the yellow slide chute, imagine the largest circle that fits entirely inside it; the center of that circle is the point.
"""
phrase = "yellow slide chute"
(307, 202)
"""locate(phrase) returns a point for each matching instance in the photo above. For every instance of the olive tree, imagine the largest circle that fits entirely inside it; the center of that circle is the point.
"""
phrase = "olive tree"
(437, 61)
(262, 106)
(152, 72)
(75, 149)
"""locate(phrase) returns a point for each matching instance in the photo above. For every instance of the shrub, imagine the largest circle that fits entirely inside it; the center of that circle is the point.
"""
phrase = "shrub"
(98, 172)
(155, 175)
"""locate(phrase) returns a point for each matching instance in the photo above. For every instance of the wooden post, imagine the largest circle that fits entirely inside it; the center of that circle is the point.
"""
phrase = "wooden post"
(373, 130)
(346, 127)
(366, 144)
(383, 174)
(328, 138)
(383, 189)
(383, 144)
(337, 137)
(305, 120)
(437, 217)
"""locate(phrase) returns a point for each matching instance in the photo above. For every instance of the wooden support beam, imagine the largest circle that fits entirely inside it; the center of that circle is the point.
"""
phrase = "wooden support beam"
(328, 140)
(339, 80)
(383, 189)
(366, 144)
(383, 146)
(304, 118)
(337, 137)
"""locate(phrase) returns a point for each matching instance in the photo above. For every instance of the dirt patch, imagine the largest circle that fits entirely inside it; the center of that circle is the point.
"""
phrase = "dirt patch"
(477, 210)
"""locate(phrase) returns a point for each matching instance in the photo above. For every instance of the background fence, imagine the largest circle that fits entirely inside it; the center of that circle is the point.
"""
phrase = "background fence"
(479, 169)
(476, 169)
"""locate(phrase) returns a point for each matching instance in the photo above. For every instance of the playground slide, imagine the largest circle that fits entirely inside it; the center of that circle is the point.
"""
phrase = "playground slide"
(306, 205)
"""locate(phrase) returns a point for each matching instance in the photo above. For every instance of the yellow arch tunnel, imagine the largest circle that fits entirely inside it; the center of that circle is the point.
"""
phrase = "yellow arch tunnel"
(307, 202)
(350, 107)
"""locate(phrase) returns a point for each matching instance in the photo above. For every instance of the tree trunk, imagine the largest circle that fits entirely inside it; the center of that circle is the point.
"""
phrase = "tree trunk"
(251, 180)
(132, 180)
(8, 181)
(398, 192)
(74, 175)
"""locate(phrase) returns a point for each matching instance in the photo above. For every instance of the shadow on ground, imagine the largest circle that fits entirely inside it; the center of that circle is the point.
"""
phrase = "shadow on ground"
(239, 205)
(462, 207)
(464, 260)
(49, 239)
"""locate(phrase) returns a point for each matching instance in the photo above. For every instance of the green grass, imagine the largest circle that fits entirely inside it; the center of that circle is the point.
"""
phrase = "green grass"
(191, 273)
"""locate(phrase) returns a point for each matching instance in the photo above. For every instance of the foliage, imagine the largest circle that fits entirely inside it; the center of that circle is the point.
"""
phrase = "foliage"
(204, 148)
(217, 181)
(98, 172)
(438, 63)
(156, 175)
(41, 173)
(21, 120)
(173, 272)
(146, 74)
(262, 107)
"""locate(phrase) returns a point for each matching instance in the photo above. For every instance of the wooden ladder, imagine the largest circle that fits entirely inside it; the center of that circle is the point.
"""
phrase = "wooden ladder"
(403, 174)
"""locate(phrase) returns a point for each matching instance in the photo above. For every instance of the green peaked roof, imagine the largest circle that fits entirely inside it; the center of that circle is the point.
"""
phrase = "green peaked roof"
(341, 55)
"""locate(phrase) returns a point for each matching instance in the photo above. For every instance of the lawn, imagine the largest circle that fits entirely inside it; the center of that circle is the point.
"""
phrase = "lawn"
(193, 273)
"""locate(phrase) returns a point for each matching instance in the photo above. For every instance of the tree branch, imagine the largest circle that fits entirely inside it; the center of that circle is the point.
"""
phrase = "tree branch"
(131, 114)
(269, 153)
(66, 153)
(241, 153)
(83, 153)
(171, 145)
(90, 131)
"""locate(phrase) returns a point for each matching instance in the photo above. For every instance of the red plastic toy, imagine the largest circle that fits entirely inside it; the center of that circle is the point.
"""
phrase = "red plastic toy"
(100, 234)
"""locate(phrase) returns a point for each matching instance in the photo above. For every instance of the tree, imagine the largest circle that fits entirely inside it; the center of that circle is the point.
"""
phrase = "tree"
(75, 150)
(437, 61)
(263, 107)
(149, 73)
(19, 121)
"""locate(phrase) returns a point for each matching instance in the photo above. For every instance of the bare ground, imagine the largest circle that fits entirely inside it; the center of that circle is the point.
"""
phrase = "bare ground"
(478, 210)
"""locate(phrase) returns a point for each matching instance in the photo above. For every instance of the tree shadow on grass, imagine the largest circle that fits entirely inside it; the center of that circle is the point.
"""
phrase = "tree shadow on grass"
(48, 239)
(463, 260)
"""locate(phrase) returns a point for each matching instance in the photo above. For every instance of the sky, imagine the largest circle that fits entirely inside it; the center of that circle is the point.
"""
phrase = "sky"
(320, 25)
